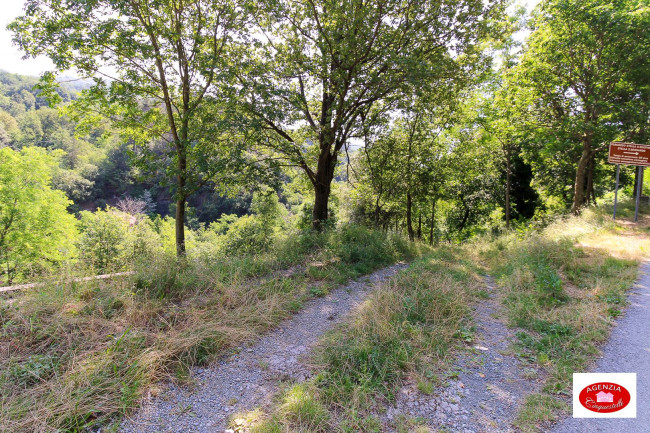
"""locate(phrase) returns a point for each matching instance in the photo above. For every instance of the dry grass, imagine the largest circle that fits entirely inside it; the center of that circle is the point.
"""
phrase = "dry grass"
(406, 329)
(563, 286)
(101, 366)
(76, 355)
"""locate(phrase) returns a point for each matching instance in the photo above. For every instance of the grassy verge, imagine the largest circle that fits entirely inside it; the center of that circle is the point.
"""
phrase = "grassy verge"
(77, 355)
(405, 330)
(562, 288)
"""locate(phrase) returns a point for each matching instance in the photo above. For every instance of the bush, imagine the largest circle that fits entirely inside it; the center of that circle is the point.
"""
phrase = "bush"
(248, 235)
(254, 233)
(37, 230)
(111, 239)
(103, 235)
(367, 249)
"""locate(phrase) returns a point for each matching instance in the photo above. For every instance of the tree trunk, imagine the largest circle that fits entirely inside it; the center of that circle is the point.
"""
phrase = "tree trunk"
(581, 175)
(322, 188)
(433, 221)
(508, 181)
(180, 227)
(409, 223)
(419, 235)
(466, 212)
(589, 192)
(377, 210)
(181, 198)
(320, 211)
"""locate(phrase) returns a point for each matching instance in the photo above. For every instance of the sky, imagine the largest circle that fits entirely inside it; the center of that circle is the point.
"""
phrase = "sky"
(11, 58)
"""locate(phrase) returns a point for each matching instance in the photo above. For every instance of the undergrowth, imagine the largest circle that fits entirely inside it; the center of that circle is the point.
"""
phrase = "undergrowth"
(406, 329)
(78, 355)
(563, 287)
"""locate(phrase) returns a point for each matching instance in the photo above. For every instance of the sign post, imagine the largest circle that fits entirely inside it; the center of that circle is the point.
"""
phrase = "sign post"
(618, 172)
(629, 154)
(638, 193)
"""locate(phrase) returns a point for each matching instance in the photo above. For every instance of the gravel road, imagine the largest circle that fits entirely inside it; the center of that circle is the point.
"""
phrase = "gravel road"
(249, 379)
(628, 351)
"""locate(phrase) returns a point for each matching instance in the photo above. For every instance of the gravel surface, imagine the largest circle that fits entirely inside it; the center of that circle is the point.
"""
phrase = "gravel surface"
(490, 384)
(247, 380)
(628, 351)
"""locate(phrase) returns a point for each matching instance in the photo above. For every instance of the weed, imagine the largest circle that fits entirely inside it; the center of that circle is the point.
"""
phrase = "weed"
(537, 409)
(562, 285)
(82, 354)
(303, 411)
(425, 387)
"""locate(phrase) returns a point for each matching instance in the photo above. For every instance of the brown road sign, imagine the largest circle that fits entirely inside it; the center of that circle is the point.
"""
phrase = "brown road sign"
(629, 153)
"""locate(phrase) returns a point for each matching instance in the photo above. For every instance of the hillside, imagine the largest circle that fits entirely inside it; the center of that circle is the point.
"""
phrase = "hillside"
(81, 354)
(95, 168)
(375, 216)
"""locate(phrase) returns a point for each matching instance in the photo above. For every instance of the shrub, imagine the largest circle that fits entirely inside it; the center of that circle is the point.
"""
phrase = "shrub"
(367, 249)
(37, 231)
(111, 239)
(247, 235)
(254, 233)
(103, 236)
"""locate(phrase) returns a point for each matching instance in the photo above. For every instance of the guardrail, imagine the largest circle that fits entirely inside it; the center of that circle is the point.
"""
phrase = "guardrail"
(76, 280)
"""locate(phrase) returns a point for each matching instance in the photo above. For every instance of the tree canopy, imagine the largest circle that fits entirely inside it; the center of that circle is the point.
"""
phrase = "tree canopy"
(157, 68)
(35, 226)
(425, 117)
(319, 67)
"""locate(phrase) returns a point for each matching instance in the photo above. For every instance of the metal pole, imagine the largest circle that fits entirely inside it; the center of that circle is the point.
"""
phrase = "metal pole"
(642, 174)
(638, 194)
(618, 171)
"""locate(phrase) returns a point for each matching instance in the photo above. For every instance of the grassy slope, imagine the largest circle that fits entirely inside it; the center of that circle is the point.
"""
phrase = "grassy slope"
(407, 328)
(562, 288)
(73, 355)
(81, 354)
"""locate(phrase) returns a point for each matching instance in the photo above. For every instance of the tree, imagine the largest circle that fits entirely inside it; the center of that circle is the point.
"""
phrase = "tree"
(321, 65)
(164, 62)
(585, 60)
(36, 231)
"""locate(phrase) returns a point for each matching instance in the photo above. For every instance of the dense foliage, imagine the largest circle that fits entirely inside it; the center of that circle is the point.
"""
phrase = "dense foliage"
(232, 159)
(35, 228)
(428, 118)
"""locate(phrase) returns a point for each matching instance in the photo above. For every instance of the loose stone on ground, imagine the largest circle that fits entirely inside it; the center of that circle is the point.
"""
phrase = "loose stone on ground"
(249, 379)
(485, 390)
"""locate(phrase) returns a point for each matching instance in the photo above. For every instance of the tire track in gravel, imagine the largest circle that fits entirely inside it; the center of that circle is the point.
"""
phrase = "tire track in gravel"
(248, 380)
(490, 384)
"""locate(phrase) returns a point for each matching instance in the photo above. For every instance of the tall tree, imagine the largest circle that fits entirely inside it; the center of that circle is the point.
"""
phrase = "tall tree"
(585, 60)
(36, 230)
(320, 65)
(161, 63)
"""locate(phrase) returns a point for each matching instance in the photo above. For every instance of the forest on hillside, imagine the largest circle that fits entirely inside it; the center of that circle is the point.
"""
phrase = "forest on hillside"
(214, 128)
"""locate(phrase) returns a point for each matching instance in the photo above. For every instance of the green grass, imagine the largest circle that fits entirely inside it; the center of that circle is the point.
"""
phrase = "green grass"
(408, 327)
(538, 410)
(82, 354)
(562, 288)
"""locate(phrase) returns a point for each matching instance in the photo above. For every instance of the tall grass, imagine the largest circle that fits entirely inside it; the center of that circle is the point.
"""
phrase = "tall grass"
(77, 355)
(563, 286)
(408, 327)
